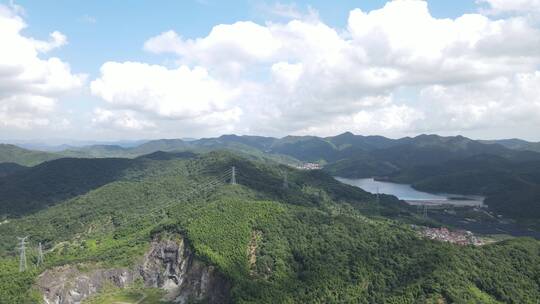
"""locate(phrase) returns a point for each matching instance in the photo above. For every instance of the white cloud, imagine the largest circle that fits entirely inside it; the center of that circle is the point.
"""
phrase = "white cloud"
(228, 47)
(88, 19)
(124, 120)
(30, 85)
(181, 93)
(57, 40)
(304, 76)
(505, 101)
(146, 96)
(511, 6)
(423, 49)
(25, 111)
(288, 11)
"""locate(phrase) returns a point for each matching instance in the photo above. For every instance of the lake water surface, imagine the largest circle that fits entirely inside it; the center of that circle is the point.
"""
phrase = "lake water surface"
(409, 194)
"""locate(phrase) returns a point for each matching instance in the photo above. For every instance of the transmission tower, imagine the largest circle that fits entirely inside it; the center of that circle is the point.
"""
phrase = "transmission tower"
(425, 211)
(22, 257)
(40, 255)
(233, 176)
(378, 199)
(285, 181)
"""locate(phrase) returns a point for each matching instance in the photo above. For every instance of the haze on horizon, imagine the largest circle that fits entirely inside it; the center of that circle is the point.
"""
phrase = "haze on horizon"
(90, 71)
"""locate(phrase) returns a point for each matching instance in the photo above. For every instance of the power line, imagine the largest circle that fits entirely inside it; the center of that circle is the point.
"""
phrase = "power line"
(199, 189)
(209, 184)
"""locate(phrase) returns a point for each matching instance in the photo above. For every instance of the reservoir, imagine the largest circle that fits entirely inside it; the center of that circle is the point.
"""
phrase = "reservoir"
(412, 196)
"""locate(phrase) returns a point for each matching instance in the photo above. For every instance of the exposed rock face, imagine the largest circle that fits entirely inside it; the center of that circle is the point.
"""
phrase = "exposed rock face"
(67, 284)
(169, 264)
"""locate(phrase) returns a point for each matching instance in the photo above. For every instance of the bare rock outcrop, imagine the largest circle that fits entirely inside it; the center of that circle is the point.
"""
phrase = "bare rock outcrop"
(169, 264)
(68, 284)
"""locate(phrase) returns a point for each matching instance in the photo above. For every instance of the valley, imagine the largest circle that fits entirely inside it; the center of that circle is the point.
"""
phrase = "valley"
(412, 196)
(458, 211)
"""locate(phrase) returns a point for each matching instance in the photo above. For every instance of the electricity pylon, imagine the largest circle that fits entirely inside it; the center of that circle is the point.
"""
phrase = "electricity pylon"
(22, 256)
(233, 176)
(40, 255)
(285, 181)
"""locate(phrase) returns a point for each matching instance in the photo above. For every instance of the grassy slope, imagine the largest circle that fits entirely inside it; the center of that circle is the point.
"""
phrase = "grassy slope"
(311, 248)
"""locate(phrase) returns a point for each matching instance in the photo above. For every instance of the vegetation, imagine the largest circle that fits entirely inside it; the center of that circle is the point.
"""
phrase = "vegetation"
(516, 144)
(24, 157)
(134, 295)
(496, 169)
(53, 181)
(9, 168)
(512, 189)
(316, 241)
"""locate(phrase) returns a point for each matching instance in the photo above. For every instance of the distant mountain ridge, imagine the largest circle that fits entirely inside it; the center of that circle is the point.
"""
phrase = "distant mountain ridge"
(304, 148)
(515, 144)
(14, 154)
(426, 161)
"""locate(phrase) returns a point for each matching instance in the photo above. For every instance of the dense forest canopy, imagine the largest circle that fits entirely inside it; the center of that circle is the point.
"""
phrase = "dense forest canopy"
(319, 241)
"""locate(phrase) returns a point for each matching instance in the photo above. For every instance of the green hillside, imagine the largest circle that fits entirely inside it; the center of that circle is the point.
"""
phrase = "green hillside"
(24, 157)
(314, 241)
(10, 168)
(99, 151)
(423, 160)
(516, 144)
(512, 188)
(54, 181)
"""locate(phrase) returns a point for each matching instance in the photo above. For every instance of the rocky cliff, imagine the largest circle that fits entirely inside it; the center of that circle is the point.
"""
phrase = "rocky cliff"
(169, 264)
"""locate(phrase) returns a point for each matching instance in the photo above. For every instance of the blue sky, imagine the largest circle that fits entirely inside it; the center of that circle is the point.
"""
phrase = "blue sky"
(113, 70)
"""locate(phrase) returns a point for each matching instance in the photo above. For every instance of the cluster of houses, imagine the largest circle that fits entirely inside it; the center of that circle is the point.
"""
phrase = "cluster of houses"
(459, 237)
(309, 166)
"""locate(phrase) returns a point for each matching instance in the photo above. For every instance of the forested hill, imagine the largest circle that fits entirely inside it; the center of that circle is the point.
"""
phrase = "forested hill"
(346, 147)
(424, 161)
(9, 168)
(38, 187)
(516, 144)
(512, 188)
(305, 238)
(24, 157)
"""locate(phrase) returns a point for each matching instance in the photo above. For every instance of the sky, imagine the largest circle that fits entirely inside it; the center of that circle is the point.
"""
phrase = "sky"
(119, 70)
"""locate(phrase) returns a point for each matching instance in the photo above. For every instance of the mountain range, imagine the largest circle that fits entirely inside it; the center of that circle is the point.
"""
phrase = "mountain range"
(455, 164)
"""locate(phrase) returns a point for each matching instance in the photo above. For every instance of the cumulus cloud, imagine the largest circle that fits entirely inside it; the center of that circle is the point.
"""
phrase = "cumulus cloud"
(505, 101)
(140, 93)
(226, 49)
(303, 76)
(181, 93)
(29, 84)
(123, 119)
